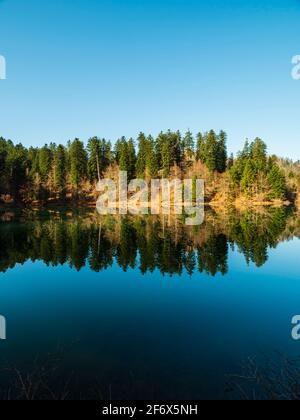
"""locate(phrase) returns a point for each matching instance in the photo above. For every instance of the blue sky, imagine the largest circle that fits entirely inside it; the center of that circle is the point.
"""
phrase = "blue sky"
(78, 68)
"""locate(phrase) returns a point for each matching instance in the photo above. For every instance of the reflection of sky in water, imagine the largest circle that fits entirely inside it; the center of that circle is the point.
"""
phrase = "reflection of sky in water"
(185, 331)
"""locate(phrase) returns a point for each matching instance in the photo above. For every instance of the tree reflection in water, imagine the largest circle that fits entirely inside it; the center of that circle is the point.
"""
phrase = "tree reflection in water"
(80, 238)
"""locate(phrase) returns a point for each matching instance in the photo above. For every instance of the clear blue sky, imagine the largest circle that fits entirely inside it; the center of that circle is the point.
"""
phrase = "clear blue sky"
(78, 68)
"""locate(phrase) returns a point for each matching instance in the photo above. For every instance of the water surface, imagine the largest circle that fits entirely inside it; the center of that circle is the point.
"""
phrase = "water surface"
(146, 308)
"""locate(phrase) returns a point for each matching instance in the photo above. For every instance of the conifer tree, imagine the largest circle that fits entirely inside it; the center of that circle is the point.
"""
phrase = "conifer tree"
(45, 162)
(222, 152)
(131, 159)
(200, 152)
(94, 151)
(211, 151)
(277, 182)
(122, 152)
(60, 168)
(151, 158)
(142, 155)
(259, 154)
(166, 158)
(78, 163)
(188, 146)
(248, 178)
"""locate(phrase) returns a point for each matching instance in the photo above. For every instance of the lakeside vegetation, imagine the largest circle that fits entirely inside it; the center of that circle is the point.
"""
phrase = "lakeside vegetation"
(58, 173)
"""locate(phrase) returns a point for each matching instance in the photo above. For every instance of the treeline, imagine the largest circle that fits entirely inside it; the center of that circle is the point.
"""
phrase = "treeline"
(56, 171)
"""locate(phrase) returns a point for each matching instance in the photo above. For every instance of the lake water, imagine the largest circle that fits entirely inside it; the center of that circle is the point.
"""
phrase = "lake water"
(144, 308)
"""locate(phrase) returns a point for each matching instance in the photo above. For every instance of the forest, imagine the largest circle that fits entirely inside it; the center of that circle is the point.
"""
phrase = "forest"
(60, 173)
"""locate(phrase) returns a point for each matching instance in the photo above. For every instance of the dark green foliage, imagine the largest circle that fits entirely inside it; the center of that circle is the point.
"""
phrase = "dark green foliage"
(277, 182)
(255, 174)
(188, 146)
(169, 151)
(78, 163)
(44, 162)
(126, 156)
(151, 158)
(16, 166)
(212, 151)
(60, 168)
(200, 152)
(142, 155)
(222, 152)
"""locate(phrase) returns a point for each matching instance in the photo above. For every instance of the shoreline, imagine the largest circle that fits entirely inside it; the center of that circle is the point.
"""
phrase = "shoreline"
(238, 204)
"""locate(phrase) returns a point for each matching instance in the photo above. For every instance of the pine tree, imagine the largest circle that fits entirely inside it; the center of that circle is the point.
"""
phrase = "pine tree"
(188, 146)
(258, 152)
(200, 149)
(106, 154)
(237, 169)
(248, 178)
(222, 152)
(166, 159)
(151, 158)
(131, 159)
(211, 151)
(60, 169)
(94, 151)
(122, 152)
(45, 162)
(142, 155)
(277, 181)
(78, 163)
(16, 164)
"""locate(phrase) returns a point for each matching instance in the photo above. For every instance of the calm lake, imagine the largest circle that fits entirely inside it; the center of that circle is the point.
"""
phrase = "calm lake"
(144, 308)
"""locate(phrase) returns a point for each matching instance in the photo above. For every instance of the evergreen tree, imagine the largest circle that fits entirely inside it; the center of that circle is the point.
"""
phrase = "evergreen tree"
(248, 178)
(211, 151)
(201, 151)
(78, 163)
(222, 152)
(258, 152)
(188, 146)
(277, 182)
(60, 169)
(142, 155)
(131, 159)
(237, 170)
(166, 159)
(118, 149)
(16, 164)
(45, 162)
(122, 152)
(94, 148)
(151, 158)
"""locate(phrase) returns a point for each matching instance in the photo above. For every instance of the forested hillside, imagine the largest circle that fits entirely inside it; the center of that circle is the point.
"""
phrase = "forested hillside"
(59, 173)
